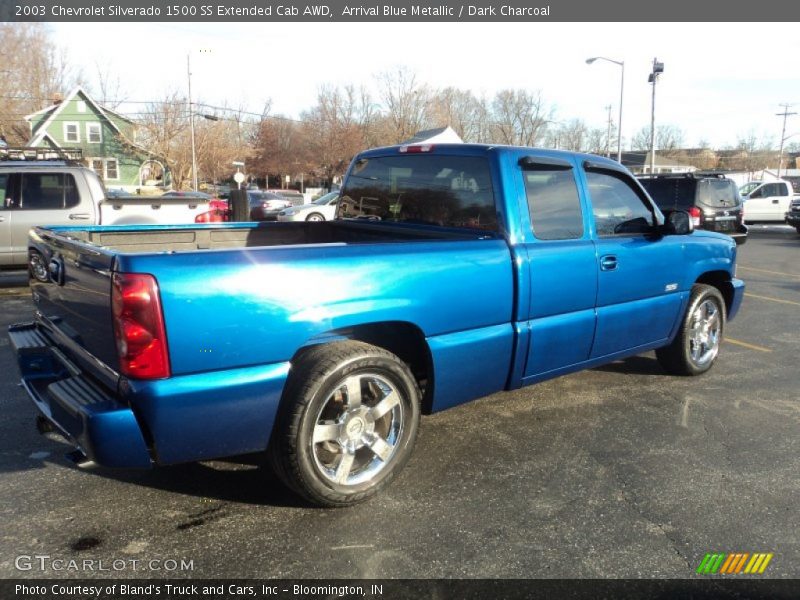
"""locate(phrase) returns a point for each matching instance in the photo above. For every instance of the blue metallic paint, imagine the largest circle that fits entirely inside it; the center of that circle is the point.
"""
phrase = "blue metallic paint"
(495, 314)
(208, 415)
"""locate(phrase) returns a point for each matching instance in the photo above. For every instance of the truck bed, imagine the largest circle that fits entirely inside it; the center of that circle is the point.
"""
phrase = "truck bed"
(177, 238)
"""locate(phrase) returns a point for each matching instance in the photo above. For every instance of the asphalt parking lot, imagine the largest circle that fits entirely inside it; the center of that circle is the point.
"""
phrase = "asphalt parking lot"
(621, 471)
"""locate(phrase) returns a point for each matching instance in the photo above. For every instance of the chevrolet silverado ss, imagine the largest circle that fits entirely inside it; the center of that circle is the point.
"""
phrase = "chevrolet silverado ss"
(451, 272)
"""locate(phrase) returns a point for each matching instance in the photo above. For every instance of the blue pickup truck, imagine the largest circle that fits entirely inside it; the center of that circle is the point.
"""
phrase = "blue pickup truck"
(451, 272)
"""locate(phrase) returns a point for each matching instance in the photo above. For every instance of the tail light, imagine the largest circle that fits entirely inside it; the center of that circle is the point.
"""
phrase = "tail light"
(697, 216)
(139, 326)
(212, 216)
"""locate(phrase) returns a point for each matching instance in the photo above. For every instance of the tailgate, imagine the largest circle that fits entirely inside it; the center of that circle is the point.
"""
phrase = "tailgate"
(72, 294)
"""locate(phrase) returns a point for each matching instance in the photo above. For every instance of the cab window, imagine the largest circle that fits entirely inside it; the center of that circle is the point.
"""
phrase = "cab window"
(617, 207)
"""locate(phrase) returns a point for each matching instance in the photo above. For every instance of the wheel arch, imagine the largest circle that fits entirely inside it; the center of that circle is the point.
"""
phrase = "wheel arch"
(722, 281)
(402, 338)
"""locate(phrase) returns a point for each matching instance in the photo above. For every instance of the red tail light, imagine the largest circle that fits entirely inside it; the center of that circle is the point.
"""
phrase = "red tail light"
(212, 216)
(697, 216)
(139, 326)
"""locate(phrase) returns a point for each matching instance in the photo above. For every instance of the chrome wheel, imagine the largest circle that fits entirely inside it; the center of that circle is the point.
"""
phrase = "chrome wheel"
(704, 333)
(38, 267)
(315, 217)
(357, 428)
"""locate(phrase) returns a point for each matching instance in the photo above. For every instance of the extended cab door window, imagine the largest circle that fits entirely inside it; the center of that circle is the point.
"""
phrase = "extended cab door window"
(554, 205)
(617, 206)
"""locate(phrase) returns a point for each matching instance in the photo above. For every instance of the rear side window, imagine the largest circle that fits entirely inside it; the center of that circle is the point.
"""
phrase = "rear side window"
(451, 191)
(48, 191)
(717, 193)
(554, 205)
(618, 209)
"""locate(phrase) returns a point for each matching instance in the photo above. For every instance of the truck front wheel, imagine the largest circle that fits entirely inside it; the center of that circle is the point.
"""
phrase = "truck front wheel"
(347, 424)
(696, 346)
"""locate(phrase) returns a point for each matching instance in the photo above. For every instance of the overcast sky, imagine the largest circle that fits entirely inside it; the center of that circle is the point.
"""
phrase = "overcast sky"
(721, 80)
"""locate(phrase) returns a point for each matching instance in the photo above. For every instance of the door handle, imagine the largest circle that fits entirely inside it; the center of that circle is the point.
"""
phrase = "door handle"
(608, 263)
(79, 216)
(2, 219)
(775, 201)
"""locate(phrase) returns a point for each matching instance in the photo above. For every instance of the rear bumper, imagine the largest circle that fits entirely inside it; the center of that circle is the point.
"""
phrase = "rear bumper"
(180, 419)
(738, 295)
(740, 236)
(101, 427)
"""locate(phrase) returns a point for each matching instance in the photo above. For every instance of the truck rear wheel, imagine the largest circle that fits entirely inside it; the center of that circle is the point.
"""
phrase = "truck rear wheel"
(347, 424)
(696, 346)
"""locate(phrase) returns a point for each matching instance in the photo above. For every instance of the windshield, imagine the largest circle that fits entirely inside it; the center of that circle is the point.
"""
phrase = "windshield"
(326, 199)
(748, 187)
(717, 193)
(451, 191)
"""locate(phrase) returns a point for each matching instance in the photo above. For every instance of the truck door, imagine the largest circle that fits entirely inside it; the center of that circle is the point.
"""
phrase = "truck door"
(6, 206)
(640, 273)
(768, 202)
(562, 266)
(45, 198)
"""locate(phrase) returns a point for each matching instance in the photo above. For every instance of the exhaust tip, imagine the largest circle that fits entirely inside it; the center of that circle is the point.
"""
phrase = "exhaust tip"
(44, 426)
(78, 458)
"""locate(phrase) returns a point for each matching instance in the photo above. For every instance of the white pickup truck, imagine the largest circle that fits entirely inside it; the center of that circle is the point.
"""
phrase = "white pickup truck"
(40, 193)
(766, 201)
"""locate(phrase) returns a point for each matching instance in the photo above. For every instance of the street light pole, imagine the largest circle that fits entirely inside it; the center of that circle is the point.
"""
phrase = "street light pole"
(621, 65)
(658, 68)
(191, 125)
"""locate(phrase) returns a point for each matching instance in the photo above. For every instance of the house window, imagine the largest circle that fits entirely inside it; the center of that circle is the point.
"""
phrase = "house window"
(94, 133)
(112, 170)
(72, 132)
(96, 165)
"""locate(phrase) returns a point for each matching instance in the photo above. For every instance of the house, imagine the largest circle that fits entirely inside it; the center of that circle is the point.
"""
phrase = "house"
(440, 135)
(106, 138)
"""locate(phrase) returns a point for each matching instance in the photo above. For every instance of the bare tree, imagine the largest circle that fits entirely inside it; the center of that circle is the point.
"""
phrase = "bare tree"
(668, 138)
(520, 117)
(107, 86)
(406, 103)
(459, 109)
(32, 70)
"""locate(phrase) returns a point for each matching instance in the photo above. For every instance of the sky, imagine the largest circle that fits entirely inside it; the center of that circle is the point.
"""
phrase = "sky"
(721, 81)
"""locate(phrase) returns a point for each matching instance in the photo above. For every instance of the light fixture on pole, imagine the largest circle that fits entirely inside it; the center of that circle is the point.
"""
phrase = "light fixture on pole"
(621, 64)
(658, 69)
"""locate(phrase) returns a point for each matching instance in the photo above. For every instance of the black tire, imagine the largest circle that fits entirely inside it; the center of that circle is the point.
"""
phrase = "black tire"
(688, 354)
(315, 216)
(317, 404)
(798, 229)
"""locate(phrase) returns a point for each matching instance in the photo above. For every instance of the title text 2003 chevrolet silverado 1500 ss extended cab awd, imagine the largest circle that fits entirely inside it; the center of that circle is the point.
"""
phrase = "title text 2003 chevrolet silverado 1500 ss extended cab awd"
(451, 272)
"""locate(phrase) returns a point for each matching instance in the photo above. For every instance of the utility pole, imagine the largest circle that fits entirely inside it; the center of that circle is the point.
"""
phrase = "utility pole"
(785, 114)
(608, 133)
(191, 125)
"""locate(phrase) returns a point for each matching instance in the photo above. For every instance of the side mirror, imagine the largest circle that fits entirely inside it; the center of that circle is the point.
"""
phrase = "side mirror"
(678, 222)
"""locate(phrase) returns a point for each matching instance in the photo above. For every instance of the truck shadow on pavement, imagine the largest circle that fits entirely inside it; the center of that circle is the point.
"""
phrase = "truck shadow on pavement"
(635, 365)
(242, 479)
